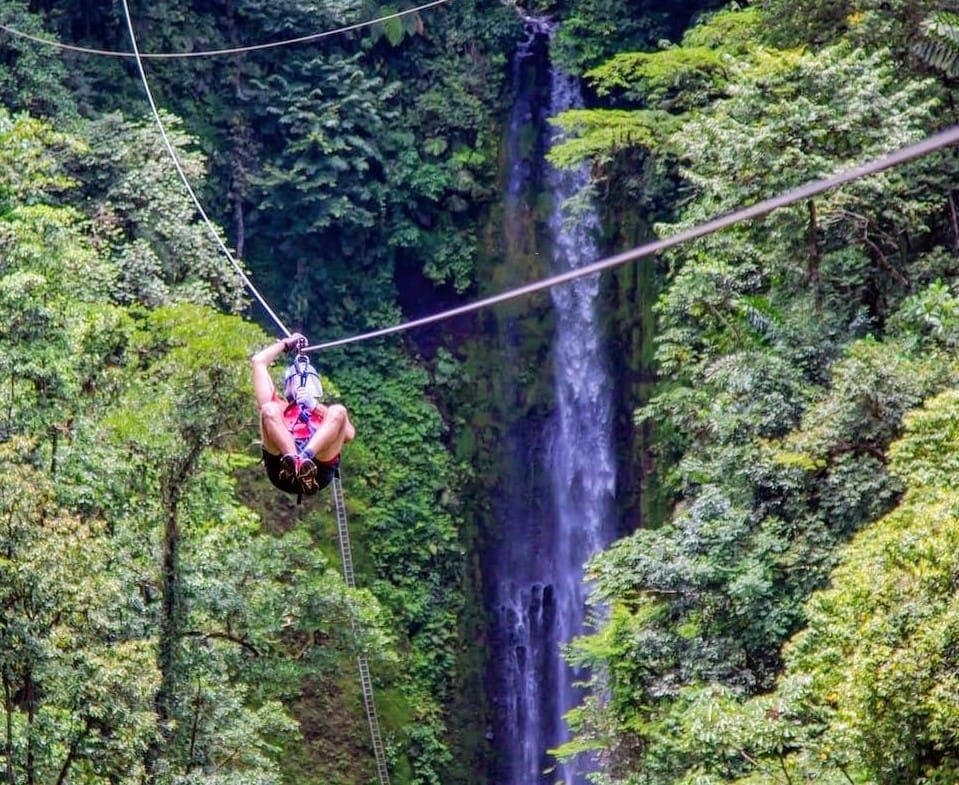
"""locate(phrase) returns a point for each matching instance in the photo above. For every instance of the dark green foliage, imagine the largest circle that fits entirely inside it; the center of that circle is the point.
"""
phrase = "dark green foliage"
(590, 31)
(893, 24)
(687, 74)
(141, 212)
(32, 78)
(329, 166)
(807, 22)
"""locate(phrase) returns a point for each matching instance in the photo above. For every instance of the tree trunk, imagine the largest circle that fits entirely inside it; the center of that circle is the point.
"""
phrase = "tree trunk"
(30, 698)
(174, 611)
(71, 755)
(815, 257)
(8, 708)
(955, 223)
(239, 226)
(54, 443)
(194, 730)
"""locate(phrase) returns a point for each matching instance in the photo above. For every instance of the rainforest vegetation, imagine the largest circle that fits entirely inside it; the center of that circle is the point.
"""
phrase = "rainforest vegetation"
(783, 604)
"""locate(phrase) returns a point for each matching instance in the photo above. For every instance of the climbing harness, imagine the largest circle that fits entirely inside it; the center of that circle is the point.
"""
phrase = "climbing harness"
(302, 374)
(298, 375)
(218, 52)
(339, 503)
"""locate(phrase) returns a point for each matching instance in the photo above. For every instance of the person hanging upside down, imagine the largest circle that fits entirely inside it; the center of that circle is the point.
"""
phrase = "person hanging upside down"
(302, 438)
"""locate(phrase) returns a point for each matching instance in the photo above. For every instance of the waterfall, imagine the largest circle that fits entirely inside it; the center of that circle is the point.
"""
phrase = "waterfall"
(540, 591)
(582, 465)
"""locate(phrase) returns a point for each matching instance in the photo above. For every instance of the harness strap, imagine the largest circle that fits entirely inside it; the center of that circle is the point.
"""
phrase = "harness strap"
(301, 367)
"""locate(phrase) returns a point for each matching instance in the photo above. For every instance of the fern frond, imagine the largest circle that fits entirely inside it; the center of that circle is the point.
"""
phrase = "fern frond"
(940, 47)
(761, 317)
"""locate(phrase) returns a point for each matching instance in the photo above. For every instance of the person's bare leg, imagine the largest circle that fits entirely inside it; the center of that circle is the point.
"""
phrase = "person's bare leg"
(276, 437)
(333, 433)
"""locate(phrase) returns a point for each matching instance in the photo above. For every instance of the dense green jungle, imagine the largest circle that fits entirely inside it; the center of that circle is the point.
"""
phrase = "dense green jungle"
(782, 604)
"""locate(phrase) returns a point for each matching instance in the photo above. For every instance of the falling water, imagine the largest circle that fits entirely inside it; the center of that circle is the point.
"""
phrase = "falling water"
(540, 597)
(582, 466)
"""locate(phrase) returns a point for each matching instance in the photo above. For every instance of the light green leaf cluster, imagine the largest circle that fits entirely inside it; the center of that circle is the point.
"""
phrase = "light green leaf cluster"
(668, 83)
(803, 119)
(85, 678)
(596, 135)
(649, 75)
(868, 687)
(162, 250)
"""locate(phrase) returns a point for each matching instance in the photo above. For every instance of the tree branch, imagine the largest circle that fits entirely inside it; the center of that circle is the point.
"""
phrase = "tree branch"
(72, 754)
(225, 636)
(762, 767)
(815, 256)
(847, 447)
(197, 704)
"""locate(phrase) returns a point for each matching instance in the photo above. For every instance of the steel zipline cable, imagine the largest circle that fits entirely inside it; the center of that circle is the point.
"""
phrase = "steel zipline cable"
(186, 182)
(929, 145)
(303, 39)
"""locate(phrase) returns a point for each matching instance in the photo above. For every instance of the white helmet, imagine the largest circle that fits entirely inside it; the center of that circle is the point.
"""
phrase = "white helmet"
(302, 374)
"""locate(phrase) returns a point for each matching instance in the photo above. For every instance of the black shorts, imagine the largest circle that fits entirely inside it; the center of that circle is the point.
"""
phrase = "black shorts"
(324, 473)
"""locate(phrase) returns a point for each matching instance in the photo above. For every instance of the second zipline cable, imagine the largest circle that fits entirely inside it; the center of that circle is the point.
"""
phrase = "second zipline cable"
(220, 52)
(186, 182)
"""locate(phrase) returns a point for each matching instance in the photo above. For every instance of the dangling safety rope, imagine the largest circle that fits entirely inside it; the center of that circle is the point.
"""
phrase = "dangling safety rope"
(218, 52)
(366, 680)
(186, 182)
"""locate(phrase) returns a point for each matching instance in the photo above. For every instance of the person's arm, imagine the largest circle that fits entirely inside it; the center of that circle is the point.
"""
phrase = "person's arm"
(261, 362)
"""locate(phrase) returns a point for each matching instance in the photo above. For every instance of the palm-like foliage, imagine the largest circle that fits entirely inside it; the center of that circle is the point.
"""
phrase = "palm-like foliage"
(940, 44)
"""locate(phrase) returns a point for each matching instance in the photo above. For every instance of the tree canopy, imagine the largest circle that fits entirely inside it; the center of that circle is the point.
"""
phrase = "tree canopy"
(784, 612)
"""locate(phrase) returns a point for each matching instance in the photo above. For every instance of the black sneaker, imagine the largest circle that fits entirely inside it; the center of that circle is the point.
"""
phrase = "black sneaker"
(306, 474)
(288, 469)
